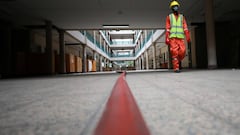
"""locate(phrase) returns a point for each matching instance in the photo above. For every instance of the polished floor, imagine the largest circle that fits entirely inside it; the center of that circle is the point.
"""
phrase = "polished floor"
(193, 102)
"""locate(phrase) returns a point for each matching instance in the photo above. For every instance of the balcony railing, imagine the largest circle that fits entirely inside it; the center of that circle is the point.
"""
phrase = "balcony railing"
(96, 43)
(122, 55)
(121, 42)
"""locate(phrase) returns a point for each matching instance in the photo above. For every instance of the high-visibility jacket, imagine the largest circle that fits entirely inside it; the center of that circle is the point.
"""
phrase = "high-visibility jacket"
(176, 30)
(176, 25)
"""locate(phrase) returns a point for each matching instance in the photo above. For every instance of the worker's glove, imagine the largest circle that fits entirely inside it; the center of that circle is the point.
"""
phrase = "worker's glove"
(187, 34)
(167, 40)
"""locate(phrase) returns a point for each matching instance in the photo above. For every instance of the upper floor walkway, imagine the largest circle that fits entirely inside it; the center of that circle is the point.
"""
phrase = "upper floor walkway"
(87, 39)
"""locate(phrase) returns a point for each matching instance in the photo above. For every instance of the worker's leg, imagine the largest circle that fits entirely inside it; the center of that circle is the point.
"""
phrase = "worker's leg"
(174, 52)
(182, 49)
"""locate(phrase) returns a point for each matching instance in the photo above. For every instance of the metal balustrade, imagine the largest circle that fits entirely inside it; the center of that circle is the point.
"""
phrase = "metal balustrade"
(91, 38)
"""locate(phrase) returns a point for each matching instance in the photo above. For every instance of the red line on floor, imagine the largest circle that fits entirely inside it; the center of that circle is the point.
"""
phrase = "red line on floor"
(121, 115)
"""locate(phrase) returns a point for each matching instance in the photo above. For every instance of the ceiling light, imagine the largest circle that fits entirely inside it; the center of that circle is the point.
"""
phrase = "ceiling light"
(116, 26)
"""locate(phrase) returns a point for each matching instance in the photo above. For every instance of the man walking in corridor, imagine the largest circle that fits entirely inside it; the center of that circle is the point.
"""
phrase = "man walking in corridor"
(176, 30)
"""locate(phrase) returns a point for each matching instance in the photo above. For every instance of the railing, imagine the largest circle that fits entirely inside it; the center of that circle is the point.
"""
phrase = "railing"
(145, 41)
(96, 43)
(121, 42)
(136, 36)
(123, 55)
(138, 32)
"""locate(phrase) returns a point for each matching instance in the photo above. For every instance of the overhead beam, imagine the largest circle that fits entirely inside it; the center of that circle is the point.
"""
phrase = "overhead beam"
(68, 44)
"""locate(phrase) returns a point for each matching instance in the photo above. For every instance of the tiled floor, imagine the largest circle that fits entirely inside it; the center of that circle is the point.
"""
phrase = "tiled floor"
(194, 102)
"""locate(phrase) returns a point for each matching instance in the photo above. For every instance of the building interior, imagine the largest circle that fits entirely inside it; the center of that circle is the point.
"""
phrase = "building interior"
(45, 37)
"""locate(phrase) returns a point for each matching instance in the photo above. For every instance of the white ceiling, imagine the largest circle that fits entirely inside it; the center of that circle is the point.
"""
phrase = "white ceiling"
(92, 14)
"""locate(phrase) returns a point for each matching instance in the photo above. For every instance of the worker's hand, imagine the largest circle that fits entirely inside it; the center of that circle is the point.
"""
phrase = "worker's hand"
(167, 40)
(187, 36)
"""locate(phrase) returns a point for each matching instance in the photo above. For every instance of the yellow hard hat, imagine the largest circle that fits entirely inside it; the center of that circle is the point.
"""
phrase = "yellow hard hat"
(174, 3)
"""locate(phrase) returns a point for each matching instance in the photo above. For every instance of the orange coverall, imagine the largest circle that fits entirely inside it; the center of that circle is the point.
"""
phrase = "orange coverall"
(177, 46)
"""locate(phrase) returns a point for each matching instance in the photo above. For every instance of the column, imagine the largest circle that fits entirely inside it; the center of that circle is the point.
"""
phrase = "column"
(49, 47)
(154, 55)
(147, 64)
(143, 62)
(84, 59)
(94, 55)
(105, 63)
(94, 67)
(100, 62)
(210, 33)
(135, 64)
(62, 52)
(139, 63)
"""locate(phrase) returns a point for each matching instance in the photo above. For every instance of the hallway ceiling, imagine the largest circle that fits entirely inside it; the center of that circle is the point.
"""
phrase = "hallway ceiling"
(92, 14)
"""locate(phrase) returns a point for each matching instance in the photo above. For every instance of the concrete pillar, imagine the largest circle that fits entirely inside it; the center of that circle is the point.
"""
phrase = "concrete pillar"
(105, 62)
(62, 52)
(100, 62)
(210, 33)
(154, 55)
(147, 64)
(139, 63)
(136, 64)
(143, 61)
(94, 55)
(49, 47)
(84, 59)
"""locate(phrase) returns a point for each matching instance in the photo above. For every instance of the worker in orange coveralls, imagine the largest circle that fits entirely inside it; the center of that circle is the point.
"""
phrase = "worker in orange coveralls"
(176, 30)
